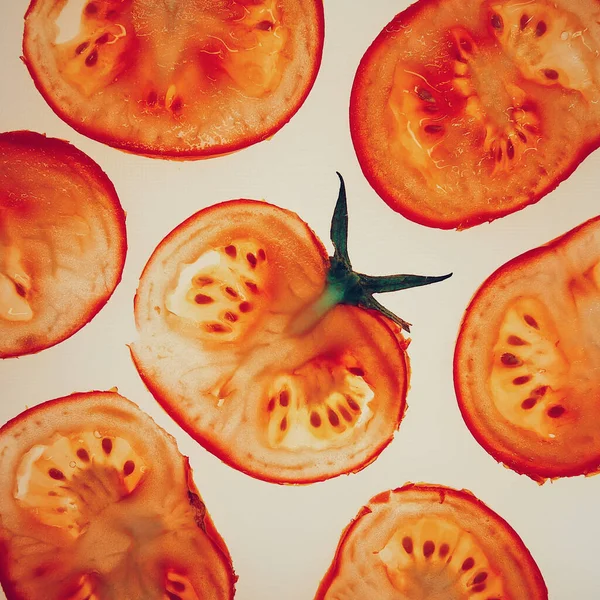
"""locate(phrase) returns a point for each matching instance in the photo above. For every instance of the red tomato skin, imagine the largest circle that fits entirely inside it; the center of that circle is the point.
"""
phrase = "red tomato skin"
(383, 498)
(8, 587)
(403, 19)
(30, 139)
(509, 460)
(179, 417)
(223, 150)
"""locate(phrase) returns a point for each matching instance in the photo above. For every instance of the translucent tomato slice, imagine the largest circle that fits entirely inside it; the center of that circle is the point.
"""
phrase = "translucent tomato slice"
(218, 308)
(180, 78)
(430, 542)
(97, 503)
(465, 111)
(62, 241)
(527, 357)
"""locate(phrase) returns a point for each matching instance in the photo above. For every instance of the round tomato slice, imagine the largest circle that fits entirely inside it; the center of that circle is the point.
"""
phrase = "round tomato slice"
(175, 79)
(464, 111)
(98, 503)
(431, 542)
(525, 366)
(244, 342)
(62, 241)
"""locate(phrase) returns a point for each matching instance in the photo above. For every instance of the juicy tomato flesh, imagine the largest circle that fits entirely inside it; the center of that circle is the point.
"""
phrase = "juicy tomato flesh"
(110, 521)
(481, 114)
(430, 543)
(62, 236)
(226, 290)
(527, 355)
(180, 78)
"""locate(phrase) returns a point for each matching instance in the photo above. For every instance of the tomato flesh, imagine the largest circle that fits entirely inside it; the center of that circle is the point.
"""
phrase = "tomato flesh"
(62, 237)
(424, 542)
(175, 78)
(527, 355)
(111, 506)
(480, 114)
(216, 310)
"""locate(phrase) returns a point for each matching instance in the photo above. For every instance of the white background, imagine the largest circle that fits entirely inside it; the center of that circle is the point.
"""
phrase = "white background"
(282, 539)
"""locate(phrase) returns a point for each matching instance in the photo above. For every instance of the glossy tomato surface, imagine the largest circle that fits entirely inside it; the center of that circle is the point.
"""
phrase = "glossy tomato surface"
(62, 241)
(97, 502)
(527, 356)
(174, 79)
(466, 111)
(218, 310)
(431, 542)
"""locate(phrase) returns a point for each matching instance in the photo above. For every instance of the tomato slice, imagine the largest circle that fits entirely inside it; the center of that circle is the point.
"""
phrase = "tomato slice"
(98, 503)
(244, 342)
(62, 241)
(525, 365)
(464, 111)
(174, 79)
(433, 542)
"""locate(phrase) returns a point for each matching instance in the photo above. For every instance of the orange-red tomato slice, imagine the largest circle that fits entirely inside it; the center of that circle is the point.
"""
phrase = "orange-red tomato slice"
(175, 79)
(97, 502)
(527, 356)
(219, 311)
(463, 111)
(62, 241)
(431, 542)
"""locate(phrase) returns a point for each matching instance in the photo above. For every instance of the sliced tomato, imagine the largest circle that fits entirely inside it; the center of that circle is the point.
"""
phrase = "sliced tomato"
(62, 241)
(178, 78)
(425, 541)
(464, 111)
(98, 503)
(527, 356)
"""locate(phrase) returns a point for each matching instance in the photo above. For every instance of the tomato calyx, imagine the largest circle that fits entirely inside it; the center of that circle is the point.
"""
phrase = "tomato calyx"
(346, 286)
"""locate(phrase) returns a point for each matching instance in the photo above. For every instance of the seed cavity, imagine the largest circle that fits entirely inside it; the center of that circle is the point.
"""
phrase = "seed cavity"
(231, 251)
(92, 58)
(515, 340)
(531, 321)
(315, 419)
(468, 564)
(56, 474)
(510, 360)
(203, 299)
(428, 548)
(128, 468)
(556, 411)
(550, 74)
(521, 380)
(407, 544)
(107, 445)
(497, 22)
(540, 29)
(333, 417)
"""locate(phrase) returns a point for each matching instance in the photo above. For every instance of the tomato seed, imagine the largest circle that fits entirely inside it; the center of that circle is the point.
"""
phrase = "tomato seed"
(521, 380)
(425, 95)
(499, 155)
(81, 47)
(179, 586)
(83, 455)
(152, 98)
(333, 418)
(466, 45)
(541, 29)
(128, 468)
(252, 287)
(173, 596)
(428, 548)
(356, 371)
(245, 307)
(251, 259)
(514, 340)
(315, 419)
(56, 474)
(92, 58)
(510, 150)
(231, 317)
(111, 14)
(433, 128)
(478, 588)
(444, 549)
(497, 22)
(284, 398)
(176, 105)
(231, 251)
(522, 136)
(551, 74)
(202, 281)
(216, 328)
(529, 403)
(510, 360)
(556, 411)
(352, 404)
(480, 578)
(531, 321)
(261, 254)
(231, 292)
(264, 26)
(468, 564)
(283, 424)
(407, 544)
(107, 445)
(524, 21)
(541, 390)
(91, 9)
(271, 405)
(102, 39)
(347, 416)
(203, 299)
